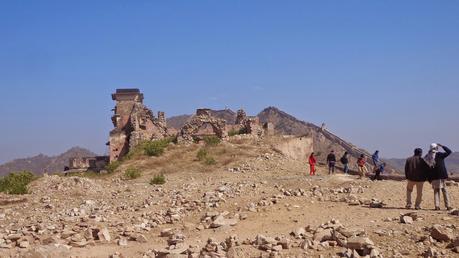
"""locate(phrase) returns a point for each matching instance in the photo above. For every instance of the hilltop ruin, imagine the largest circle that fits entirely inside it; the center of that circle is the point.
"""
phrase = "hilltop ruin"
(133, 122)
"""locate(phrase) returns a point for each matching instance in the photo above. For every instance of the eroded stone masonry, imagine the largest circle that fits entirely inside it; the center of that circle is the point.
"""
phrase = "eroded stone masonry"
(201, 125)
(134, 123)
(204, 124)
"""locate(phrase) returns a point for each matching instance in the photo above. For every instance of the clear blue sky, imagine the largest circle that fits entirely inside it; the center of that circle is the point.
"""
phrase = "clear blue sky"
(382, 74)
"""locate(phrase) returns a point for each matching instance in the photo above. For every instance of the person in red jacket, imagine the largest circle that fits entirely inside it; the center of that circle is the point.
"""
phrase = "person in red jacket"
(312, 164)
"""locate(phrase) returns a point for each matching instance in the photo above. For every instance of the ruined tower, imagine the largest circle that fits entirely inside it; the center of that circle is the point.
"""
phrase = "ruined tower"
(133, 122)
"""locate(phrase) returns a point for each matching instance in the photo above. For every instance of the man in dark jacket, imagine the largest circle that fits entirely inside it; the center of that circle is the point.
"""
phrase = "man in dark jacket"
(345, 161)
(331, 161)
(416, 174)
(438, 173)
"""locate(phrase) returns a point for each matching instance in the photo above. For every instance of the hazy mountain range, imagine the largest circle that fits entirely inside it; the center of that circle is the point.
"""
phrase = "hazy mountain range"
(43, 163)
(452, 163)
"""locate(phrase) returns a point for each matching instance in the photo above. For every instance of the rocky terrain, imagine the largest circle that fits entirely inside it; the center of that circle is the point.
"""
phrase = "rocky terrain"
(254, 202)
(41, 163)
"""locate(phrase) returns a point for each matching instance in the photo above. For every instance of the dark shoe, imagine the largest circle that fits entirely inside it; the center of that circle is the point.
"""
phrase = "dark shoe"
(417, 208)
(437, 208)
(408, 207)
(449, 208)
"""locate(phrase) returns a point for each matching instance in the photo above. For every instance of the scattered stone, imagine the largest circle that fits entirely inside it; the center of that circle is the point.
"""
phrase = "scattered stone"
(440, 233)
(406, 220)
(122, 241)
(104, 235)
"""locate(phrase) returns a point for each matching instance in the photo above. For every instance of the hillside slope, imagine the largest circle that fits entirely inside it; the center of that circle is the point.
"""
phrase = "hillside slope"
(251, 202)
(41, 163)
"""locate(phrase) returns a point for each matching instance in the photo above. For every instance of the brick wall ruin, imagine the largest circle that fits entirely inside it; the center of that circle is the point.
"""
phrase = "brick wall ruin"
(202, 125)
(96, 163)
(133, 122)
(248, 125)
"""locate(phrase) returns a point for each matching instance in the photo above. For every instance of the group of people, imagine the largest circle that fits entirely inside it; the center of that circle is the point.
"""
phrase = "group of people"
(361, 164)
(418, 169)
(430, 168)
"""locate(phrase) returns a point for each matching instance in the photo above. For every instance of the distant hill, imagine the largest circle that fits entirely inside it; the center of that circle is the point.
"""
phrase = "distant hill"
(178, 121)
(324, 140)
(452, 163)
(285, 123)
(41, 163)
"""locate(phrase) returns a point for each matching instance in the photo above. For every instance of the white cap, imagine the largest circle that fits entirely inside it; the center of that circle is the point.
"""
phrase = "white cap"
(434, 147)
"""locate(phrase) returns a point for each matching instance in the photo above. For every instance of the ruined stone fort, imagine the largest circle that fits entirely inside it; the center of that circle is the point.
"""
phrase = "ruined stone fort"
(134, 123)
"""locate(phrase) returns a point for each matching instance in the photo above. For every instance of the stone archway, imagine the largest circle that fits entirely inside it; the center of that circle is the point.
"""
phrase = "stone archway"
(191, 130)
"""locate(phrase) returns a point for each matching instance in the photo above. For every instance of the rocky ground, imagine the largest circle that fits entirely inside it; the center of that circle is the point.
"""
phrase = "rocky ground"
(253, 203)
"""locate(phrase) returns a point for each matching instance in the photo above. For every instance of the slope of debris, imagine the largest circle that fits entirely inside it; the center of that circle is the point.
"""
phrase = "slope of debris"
(257, 205)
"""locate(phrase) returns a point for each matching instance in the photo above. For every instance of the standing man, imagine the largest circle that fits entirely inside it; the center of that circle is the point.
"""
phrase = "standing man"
(345, 161)
(416, 174)
(331, 161)
(379, 170)
(375, 159)
(438, 173)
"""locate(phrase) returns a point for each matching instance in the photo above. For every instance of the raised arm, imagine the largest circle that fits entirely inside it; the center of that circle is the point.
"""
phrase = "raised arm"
(447, 151)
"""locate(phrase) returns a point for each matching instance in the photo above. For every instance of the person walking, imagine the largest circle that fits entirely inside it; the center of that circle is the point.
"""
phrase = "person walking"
(331, 161)
(378, 171)
(416, 174)
(438, 173)
(361, 164)
(312, 164)
(375, 159)
(345, 161)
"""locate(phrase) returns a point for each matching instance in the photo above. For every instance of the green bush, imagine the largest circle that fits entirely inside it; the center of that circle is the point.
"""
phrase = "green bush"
(158, 180)
(137, 151)
(132, 173)
(112, 166)
(211, 140)
(16, 183)
(202, 154)
(156, 148)
(210, 161)
(233, 132)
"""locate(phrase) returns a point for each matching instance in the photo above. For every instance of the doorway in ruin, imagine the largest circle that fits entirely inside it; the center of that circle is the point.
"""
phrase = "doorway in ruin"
(206, 129)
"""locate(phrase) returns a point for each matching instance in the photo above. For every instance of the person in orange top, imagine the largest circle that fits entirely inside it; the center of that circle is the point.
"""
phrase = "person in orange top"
(362, 164)
(312, 164)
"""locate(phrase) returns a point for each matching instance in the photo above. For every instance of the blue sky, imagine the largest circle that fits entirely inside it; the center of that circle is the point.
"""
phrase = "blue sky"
(382, 74)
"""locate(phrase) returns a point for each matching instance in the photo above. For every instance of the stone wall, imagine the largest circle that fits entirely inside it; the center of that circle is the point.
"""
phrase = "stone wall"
(96, 163)
(294, 147)
(201, 125)
(134, 123)
(248, 125)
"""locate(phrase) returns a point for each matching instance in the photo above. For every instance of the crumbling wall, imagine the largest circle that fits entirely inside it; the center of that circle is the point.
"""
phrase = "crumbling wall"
(294, 147)
(198, 127)
(134, 123)
(96, 163)
(248, 125)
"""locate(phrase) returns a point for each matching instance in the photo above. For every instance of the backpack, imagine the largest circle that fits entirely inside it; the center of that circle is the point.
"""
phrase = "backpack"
(344, 160)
